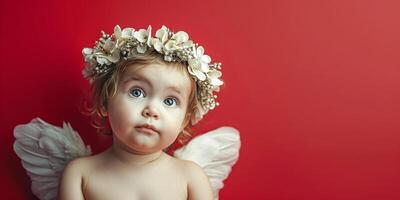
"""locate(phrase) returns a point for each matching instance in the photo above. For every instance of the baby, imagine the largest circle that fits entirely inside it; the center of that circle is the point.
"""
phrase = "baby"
(151, 91)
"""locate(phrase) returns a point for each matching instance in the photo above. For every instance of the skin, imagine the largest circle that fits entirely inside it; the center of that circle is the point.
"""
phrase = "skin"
(135, 167)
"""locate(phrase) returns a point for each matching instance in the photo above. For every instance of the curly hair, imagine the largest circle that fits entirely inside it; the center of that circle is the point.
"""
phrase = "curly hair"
(106, 86)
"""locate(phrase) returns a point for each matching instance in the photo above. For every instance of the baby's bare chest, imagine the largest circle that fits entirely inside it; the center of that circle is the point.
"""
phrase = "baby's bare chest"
(139, 185)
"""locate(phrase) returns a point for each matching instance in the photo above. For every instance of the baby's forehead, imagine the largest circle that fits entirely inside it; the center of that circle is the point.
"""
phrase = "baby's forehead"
(167, 75)
(155, 69)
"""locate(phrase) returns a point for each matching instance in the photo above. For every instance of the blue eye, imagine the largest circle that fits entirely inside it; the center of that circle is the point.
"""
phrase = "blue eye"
(136, 92)
(170, 102)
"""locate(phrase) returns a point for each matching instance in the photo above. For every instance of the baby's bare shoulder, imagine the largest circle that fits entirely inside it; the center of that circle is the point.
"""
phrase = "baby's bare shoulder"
(187, 167)
(197, 181)
(76, 166)
(84, 165)
(73, 177)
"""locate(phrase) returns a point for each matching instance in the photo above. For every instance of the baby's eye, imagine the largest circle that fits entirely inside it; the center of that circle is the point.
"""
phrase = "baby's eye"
(170, 101)
(136, 92)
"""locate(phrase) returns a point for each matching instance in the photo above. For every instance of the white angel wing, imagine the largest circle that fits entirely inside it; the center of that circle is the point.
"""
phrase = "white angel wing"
(45, 150)
(216, 152)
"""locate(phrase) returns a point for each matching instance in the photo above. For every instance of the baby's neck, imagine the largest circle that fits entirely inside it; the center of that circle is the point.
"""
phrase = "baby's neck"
(134, 158)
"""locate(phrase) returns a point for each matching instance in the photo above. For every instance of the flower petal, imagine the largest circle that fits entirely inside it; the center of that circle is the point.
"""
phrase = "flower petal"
(170, 45)
(199, 51)
(190, 70)
(157, 46)
(114, 56)
(108, 45)
(168, 58)
(216, 82)
(141, 48)
(180, 37)
(194, 64)
(187, 44)
(127, 33)
(215, 74)
(101, 59)
(141, 35)
(148, 42)
(200, 75)
(204, 67)
(162, 34)
(117, 31)
(205, 58)
(87, 51)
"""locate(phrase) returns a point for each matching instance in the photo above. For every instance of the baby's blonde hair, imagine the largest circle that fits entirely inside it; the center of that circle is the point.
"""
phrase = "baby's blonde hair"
(106, 86)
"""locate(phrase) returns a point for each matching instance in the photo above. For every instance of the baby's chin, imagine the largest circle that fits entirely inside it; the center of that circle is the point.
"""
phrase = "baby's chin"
(144, 144)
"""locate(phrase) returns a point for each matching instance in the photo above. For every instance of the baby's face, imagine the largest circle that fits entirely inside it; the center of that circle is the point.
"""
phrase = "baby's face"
(147, 112)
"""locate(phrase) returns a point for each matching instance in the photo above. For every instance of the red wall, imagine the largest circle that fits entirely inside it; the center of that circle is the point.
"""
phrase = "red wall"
(313, 86)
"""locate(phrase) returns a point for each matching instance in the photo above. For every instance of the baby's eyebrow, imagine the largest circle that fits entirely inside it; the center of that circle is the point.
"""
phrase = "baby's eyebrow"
(137, 78)
(175, 89)
(140, 78)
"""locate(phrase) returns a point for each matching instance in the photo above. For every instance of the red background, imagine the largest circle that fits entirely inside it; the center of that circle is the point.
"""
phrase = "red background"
(313, 86)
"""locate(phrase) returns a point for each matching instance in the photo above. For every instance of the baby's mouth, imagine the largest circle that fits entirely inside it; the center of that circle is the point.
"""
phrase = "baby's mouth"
(146, 128)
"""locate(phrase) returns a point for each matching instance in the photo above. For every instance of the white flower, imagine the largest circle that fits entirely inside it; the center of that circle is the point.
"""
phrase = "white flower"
(180, 37)
(199, 54)
(149, 36)
(110, 53)
(187, 44)
(127, 33)
(194, 68)
(122, 36)
(213, 77)
(102, 60)
(141, 48)
(87, 54)
(162, 34)
(179, 40)
(117, 31)
(108, 46)
(171, 45)
(87, 51)
(198, 65)
(168, 58)
(162, 43)
(143, 36)
(160, 39)
(107, 59)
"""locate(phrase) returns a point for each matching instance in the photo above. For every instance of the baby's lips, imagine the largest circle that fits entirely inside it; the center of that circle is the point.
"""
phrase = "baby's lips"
(146, 128)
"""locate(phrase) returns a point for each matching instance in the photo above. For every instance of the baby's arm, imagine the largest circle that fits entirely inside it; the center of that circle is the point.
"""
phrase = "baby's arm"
(71, 182)
(199, 187)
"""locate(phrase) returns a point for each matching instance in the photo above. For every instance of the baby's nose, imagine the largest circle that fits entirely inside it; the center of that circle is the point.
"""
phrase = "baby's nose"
(150, 112)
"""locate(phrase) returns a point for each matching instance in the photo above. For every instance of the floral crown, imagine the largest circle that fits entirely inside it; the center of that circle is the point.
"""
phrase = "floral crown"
(176, 47)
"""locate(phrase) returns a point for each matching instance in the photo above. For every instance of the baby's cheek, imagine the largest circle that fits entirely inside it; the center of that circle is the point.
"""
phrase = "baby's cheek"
(123, 110)
(119, 120)
(176, 122)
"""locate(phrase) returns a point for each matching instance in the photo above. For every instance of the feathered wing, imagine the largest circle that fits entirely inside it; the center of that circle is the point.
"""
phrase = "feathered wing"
(45, 150)
(216, 152)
